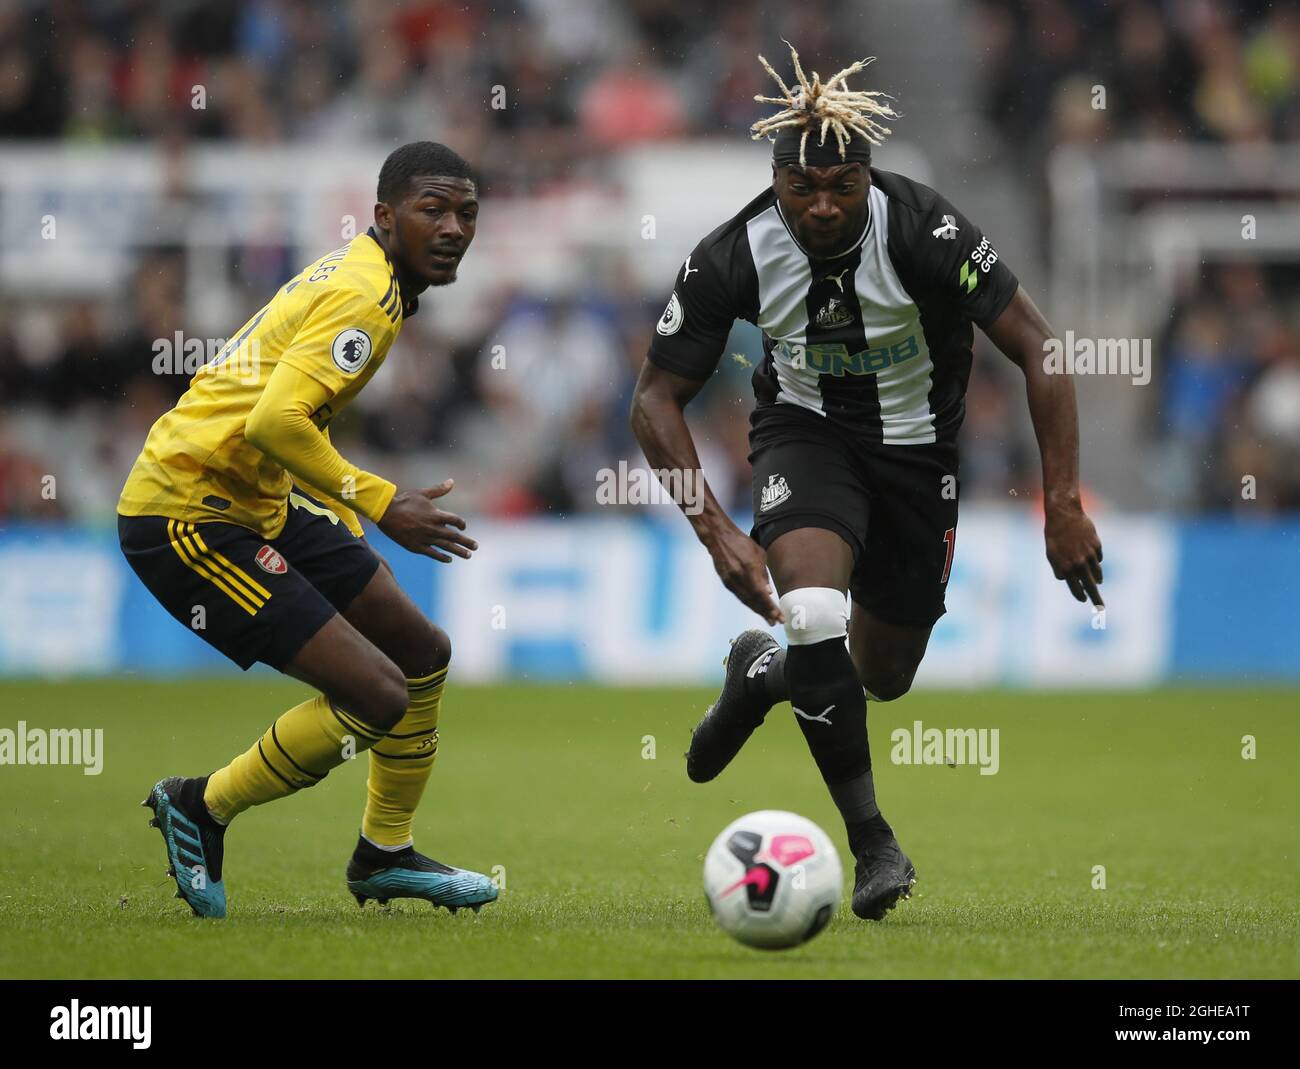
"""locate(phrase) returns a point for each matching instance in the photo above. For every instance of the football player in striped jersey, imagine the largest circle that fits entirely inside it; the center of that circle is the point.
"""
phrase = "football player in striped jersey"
(865, 285)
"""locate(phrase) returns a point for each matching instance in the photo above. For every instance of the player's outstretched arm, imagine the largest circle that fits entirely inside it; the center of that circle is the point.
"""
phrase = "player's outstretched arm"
(1073, 548)
(280, 425)
(659, 423)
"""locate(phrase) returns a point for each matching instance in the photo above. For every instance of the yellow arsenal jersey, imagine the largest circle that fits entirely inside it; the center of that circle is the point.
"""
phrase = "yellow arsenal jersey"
(334, 322)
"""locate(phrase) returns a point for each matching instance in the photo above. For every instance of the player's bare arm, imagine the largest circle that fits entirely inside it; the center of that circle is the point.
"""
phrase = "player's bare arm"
(1073, 548)
(659, 422)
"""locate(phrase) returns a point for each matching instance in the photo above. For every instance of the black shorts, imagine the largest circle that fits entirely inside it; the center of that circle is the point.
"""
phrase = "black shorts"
(254, 599)
(895, 505)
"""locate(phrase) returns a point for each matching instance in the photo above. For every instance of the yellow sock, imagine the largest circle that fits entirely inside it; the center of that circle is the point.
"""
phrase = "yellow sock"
(296, 752)
(400, 765)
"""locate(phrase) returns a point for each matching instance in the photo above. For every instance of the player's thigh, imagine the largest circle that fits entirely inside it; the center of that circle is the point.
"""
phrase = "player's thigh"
(349, 669)
(810, 510)
(354, 579)
(886, 655)
(387, 617)
(900, 581)
(811, 556)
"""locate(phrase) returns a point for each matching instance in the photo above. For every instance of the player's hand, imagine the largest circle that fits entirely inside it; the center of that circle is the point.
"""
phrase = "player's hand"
(741, 564)
(414, 522)
(1074, 551)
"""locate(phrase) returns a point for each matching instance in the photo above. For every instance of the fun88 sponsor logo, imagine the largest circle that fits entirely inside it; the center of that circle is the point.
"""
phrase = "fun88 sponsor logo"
(835, 359)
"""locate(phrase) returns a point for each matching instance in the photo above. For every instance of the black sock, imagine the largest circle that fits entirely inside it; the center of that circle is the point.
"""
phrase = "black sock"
(371, 854)
(823, 682)
(767, 684)
(192, 799)
(830, 707)
(863, 833)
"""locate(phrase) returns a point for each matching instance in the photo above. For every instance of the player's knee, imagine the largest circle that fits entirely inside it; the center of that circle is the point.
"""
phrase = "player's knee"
(437, 648)
(382, 698)
(885, 686)
(420, 649)
(416, 644)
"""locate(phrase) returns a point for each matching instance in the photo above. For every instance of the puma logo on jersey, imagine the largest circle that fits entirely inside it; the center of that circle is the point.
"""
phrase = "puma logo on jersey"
(948, 230)
(687, 272)
(839, 279)
(820, 718)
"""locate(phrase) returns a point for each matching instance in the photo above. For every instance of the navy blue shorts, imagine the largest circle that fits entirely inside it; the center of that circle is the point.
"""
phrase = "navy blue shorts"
(252, 598)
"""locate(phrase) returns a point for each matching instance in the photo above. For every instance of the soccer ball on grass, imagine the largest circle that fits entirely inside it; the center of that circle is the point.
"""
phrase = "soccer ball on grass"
(773, 879)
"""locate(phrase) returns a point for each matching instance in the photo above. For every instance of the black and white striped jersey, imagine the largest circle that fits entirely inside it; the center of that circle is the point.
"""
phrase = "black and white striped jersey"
(877, 340)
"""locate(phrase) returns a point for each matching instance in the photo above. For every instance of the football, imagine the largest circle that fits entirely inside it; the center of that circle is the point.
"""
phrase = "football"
(773, 879)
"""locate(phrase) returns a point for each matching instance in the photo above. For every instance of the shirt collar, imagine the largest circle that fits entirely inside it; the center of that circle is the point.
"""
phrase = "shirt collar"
(410, 302)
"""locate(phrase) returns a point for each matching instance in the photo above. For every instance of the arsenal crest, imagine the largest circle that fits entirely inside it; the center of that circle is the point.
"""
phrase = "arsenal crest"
(271, 561)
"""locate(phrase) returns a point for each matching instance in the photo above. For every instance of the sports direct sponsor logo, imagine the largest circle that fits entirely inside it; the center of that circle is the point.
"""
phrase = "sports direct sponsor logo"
(951, 746)
(651, 486)
(75, 1021)
(53, 746)
(1098, 356)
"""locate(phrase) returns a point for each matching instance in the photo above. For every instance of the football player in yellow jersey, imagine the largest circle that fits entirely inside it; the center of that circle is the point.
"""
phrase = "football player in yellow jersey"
(239, 516)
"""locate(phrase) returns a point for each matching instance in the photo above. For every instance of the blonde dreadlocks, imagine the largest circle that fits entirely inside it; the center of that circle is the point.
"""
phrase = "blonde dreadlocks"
(838, 109)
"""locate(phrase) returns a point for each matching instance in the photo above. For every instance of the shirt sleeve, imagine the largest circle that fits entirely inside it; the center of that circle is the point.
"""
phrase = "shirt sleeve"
(280, 425)
(947, 258)
(692, 332)
(340, 510)
(341, 332)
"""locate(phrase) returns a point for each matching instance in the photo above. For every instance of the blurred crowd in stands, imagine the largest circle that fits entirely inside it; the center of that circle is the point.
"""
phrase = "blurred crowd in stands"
(1205, 70)
(585, 78)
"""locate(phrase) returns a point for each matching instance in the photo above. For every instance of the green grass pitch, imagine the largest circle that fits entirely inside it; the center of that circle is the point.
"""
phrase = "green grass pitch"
(602, 847)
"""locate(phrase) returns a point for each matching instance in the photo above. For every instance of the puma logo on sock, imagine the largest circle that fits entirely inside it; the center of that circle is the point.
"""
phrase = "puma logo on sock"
(820, 718)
